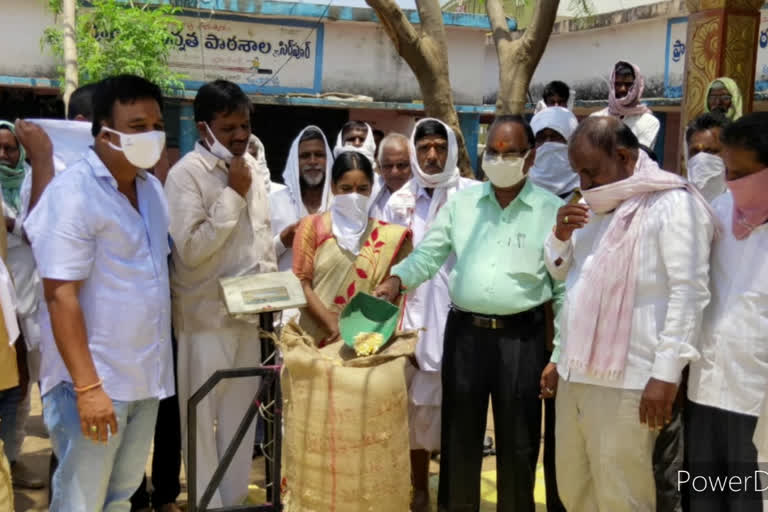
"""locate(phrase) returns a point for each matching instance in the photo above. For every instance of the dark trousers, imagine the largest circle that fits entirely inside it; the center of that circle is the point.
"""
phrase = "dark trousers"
(668, 461)
(166, 457)
(505, 364)
(718, 443)
(550, 475)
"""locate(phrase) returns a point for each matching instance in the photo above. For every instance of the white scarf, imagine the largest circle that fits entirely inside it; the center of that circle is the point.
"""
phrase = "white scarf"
(552, 169)
(440, 182)
(368, 148)
(349, 218)
(292, 178)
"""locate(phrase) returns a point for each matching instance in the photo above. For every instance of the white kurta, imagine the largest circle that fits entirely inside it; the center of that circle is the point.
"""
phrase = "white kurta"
(425, 307)
(645, 126)
(732, 373)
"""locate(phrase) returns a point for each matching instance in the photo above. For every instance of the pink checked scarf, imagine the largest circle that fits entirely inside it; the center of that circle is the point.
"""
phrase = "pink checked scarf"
(628, 105)
(598, 338)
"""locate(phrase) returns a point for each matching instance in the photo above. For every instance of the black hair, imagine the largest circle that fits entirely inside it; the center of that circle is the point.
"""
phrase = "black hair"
(311, 134)
(556, 88)
(350, 161)
(606, 133)
(705, 122)
(428, 128)
(122, 88)
(353, 125)
(749, 132)
(219, 97)
(81, 102)
(624, 68)
(517, 119)
(651, 153)
(378, 133)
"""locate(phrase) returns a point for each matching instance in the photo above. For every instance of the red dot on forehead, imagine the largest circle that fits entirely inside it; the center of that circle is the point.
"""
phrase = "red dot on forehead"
(499, 145)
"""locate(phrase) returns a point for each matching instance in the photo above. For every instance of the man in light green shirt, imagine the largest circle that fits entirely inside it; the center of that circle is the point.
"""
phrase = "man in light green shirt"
(495, 334)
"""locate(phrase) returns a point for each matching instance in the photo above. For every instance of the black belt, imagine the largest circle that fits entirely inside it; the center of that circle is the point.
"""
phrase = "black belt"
(525, 318)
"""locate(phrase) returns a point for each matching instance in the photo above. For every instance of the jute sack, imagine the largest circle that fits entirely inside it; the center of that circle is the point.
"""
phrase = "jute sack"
(346, 445)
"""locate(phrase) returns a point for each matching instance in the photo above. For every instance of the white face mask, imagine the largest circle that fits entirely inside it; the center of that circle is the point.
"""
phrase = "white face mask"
(142, 150)
(349, 218)
(504, 173)
(218, 149)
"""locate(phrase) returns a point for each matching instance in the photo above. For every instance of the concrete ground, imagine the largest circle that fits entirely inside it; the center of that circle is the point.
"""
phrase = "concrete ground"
(36, 453)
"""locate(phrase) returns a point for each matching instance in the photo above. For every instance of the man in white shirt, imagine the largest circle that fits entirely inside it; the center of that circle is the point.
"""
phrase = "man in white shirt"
(705, 165)
(415, 205)
(625, 92)
(635, 294)
(394, 169)
(307, 177)
(219, 213)
(728, 384)
(100, 239)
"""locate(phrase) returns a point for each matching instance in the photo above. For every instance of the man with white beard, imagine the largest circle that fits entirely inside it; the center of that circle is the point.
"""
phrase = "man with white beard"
(706, 169)
(307, 178)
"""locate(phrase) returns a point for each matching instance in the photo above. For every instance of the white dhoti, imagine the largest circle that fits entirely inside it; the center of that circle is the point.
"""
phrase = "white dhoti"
(425, 397)
(221, 411)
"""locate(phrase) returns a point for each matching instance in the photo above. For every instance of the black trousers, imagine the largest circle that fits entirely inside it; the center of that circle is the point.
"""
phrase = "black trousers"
(668, 461)
(506, 365)
(166, 458)
(718, 443)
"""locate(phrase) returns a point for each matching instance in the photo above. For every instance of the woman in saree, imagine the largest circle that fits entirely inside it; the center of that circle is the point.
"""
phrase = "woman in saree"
(342, 252)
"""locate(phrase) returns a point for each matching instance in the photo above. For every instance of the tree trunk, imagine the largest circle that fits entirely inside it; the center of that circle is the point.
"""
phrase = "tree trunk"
(519, 57)
(70, 50)
(426, 53)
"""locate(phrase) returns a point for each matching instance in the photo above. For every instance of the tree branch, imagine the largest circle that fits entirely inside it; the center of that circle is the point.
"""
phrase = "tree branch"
(540, 28)
(498, 20)
(399, 29)
(431, 18)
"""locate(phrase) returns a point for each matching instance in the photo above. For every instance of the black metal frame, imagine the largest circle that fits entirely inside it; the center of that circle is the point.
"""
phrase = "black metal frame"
(269, 391)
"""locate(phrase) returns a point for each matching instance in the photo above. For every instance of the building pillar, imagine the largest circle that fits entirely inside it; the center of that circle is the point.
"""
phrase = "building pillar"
(470, 127)
(187, 129)
(722, 41)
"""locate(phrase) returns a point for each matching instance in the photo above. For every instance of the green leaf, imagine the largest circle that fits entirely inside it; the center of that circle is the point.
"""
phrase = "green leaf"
(114, 38)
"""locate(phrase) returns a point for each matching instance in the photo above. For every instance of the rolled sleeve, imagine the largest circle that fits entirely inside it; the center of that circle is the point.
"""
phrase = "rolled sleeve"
(62, 239)
(685, 239)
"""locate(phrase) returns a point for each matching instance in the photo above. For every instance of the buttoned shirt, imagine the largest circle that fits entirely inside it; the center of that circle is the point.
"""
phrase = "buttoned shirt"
(644, 126)
(84, 229)
(671, 289)
(426, 306)
(732, 373)
(216, 233)
(499, 252)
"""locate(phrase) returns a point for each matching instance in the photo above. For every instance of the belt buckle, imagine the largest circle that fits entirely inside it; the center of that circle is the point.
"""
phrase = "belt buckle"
(493, 323)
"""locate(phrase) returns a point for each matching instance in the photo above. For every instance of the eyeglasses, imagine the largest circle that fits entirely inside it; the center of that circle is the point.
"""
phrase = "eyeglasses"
(508, 155)
(720, 97)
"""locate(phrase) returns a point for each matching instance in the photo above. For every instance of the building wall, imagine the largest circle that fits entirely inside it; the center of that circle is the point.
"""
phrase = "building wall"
(23, 23)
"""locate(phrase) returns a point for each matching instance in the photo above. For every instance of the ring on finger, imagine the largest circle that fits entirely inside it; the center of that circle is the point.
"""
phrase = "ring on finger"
(549, 390)
(94, 428)
(565, 220)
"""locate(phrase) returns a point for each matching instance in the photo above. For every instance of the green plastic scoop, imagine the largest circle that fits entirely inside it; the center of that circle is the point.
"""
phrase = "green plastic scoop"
(366, 313)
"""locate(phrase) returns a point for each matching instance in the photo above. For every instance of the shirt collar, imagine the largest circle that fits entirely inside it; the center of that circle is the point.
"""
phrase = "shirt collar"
(100, 170)
(526, 195)
(210, 160)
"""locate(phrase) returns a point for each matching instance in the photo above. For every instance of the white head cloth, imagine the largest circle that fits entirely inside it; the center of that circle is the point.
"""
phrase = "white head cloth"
(559, 119)
(368, 148)
(552, 169)
(292, 178)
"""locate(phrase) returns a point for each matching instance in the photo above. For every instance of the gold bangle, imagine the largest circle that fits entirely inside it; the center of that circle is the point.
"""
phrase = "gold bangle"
(95, 385)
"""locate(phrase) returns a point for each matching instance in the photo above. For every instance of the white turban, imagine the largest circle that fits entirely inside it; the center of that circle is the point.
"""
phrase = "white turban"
(368, 149)
(558, 119)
